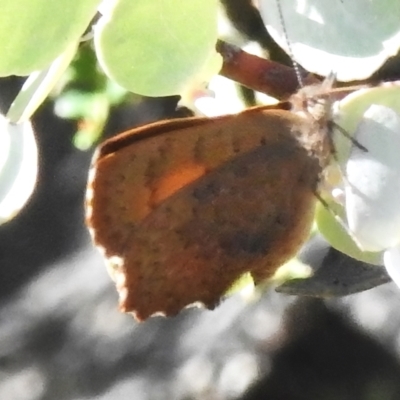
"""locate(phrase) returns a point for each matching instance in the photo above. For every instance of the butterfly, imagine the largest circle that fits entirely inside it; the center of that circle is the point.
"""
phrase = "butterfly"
(181, 209)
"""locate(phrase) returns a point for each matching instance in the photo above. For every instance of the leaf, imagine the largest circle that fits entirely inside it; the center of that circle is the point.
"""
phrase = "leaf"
(18, 167)
(373, 181)
(350, 38)
(37, 87)
(35, 32)
(151, 49)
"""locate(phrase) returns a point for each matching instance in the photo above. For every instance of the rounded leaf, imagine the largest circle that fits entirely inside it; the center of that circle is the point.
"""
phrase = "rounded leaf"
(352, 108)
(373, 181)
(154, 48)
(350, 38)
(338, 237)
(18, 167)
(34, 32)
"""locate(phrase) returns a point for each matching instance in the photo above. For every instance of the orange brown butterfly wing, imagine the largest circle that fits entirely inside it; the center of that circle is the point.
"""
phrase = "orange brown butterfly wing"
(192, 210)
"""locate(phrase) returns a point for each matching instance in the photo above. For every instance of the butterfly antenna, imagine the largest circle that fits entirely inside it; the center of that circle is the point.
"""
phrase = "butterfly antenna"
(290, 50)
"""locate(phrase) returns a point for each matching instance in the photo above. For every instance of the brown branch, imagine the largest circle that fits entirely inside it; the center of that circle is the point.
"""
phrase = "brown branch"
(258, 73)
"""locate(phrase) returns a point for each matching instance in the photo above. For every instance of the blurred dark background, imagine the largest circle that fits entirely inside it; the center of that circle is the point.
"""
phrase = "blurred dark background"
(62, 337)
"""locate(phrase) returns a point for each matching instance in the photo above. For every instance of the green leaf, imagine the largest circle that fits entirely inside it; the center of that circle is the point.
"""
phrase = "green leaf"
(18, 167)
(155, 47)
(338, 238)
(91, 109)
(352, 108)
(35, 32)
(38, 86)
(350, 38)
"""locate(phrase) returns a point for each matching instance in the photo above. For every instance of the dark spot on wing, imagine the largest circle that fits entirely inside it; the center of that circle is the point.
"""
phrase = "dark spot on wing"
(206, 193)
(244, 242)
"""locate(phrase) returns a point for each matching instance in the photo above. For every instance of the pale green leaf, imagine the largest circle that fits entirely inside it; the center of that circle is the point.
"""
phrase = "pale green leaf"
(35, 32)
(156, 47)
